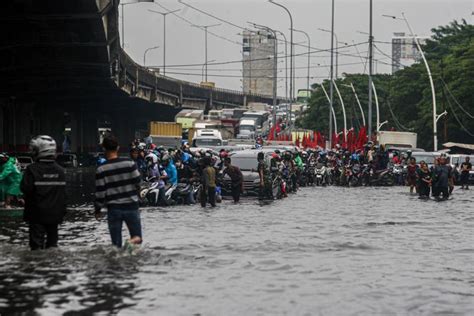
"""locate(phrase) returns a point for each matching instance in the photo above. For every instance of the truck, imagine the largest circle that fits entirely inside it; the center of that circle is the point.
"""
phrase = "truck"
(247, 128)
(166, 133)
(207, 138)
(187, 117)
(257, 106)
(392, 139)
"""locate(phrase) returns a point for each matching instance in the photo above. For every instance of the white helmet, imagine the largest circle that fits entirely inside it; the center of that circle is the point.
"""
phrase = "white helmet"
(152, 157)
(43, 146)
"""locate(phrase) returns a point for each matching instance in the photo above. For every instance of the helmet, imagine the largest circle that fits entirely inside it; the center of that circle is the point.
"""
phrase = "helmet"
(151, 158)
(223, 154)
(43, 146)
(165, 159)
(3, 158)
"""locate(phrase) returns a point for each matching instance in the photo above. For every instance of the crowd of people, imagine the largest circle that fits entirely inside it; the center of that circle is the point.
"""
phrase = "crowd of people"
(120, 189)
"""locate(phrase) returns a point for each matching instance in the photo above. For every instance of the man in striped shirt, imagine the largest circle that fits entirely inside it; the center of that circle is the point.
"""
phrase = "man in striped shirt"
(117, 184)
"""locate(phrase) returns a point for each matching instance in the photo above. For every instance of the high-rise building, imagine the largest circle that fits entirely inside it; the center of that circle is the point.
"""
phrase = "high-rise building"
(404, 51)
(258, 50)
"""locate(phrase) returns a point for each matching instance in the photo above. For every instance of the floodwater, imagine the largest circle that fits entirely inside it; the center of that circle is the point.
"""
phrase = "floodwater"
(323, 251)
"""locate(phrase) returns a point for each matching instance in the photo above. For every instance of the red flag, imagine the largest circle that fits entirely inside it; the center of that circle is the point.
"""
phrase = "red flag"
(270, 133)
(297, 142)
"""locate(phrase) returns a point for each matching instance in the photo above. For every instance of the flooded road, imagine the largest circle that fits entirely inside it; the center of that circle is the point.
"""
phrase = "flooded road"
(323, 251)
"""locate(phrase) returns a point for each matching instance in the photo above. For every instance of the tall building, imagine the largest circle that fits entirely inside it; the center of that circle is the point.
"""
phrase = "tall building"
(404, 51)
(257, 62)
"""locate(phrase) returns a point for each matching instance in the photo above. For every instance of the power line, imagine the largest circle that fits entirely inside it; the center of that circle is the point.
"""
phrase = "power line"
(457, 119)
(455, 100)
(259, 69)
(257, 59)
(240, 76)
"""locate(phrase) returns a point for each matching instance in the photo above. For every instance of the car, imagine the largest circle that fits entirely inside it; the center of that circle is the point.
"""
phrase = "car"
(428, 157)
(246, 160)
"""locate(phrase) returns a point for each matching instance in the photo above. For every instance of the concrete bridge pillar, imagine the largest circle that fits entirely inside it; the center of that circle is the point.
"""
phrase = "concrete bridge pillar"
(84, 134)
(123, 127)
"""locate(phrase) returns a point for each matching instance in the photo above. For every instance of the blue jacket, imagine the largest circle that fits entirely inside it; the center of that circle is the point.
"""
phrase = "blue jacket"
(172, 173)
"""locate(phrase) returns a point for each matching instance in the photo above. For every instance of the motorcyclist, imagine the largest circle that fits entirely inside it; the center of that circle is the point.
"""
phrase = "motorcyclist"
(170, 168)
(223, 154)
(137, 155)
(186, 175)
(156, 173)
(10, 178)
(44, 186)
(323, 158)
(153, 172)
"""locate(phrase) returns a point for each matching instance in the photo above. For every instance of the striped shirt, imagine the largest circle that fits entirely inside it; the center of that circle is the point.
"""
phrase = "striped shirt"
(117, 183)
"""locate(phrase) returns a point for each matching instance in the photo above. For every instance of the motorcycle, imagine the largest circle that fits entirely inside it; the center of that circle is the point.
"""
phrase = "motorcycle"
(354, 177)
(397, 171)
(148, 195)
(321, 177)
(278, 186)
(181, 193)
(377, 177)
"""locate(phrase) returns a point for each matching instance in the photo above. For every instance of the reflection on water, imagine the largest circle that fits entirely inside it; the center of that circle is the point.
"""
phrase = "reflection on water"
(325, 250)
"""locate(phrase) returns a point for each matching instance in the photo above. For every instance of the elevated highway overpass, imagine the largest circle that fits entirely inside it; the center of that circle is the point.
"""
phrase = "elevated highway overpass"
(63, 70)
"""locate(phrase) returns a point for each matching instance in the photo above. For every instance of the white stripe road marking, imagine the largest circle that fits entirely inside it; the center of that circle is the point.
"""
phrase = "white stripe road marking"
(42, 183)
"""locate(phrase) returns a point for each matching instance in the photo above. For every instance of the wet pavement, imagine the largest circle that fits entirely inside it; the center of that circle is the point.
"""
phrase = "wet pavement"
(323, 251)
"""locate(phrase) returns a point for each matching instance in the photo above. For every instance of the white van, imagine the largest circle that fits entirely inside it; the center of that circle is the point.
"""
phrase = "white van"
(207, 138)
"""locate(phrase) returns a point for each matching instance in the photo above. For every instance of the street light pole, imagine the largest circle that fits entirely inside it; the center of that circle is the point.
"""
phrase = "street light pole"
(358, 102)
(377, 109)
(371, 56)
(205, 27)
(433, 92)
(436, 117)
(291, 56)
(331, 90)
(309, 55)
(164, 14)
(332, 109)
(123, 18)
(343, 110)
(146, 51)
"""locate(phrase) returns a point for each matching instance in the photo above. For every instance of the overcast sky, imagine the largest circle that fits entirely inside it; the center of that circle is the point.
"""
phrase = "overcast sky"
(185, 44)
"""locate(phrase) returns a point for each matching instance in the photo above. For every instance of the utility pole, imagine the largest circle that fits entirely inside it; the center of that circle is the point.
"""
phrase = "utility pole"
(371, 56)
